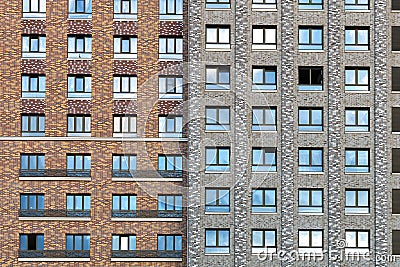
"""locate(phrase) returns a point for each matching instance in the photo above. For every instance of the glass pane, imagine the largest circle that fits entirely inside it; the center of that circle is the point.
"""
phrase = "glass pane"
(224, 197)
(223, 238)
(350, 37)
(258, 239)
(363, 198)
(23, 242)
(317, 198)
(258, 36)
(317, 238)
(363, 157)
(24, 202)
(304, 37)
(270, 36)
(363, 77)
(86, 242)
(316, 36)
(304, 158)
(78, 242)
(124, 202)
(258, 197)
(270, 238)
(132, 242)
(350, 117)
(211, 238)
(350, 198)
(270, 197)
(304, 197)
(223, 76)
(363, 117)
(32, 202)
(304, 117)
(78, 202)
(363, 239)
(350, 76)
(316, 117)
(362, 36)
(351, 239)
(70, 242)
(211, 75)
(258, 75)
(212, 35)
(304, 239)
(115, 203)
(115, 242)
(224, 35)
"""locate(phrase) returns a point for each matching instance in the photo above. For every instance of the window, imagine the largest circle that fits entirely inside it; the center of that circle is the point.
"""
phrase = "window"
(357, 160)
(357, 241)
(395, 38)
(264, 119)
(310, 200)
(395, 79)
(125, 47)
(356, 39)
(396, 240)
(78, 165)
(31, 242)
(32, 165)
(124, 165)
(170, 126)
(310, 38)
(264, 78)
(395, 119)
(217, 241)
(169, 203)
(123, 242)
(356, 5)
(34, 8)
(78, 242)
(31, 203)
(310, 78)
(217, 78)
(79, 125)
(79, 86)
(80, 46)
(395, 5)
(217, 36)
(395, 160)
(32, 125)
(78, 204)
(125, 87)
(310, 159)
(125, 9)
(34, 46)
(395, 201)
(170, 87)
(264, 37)
(310, 119)
(33, 86)
(218, 4)
(263, 200)
(357, 120)
(217, 119)
(124, 206)
(169, 242)
(264, 4)
(171, 9)
(125, 125)
(80, 9)
(217, 200)
(310, 241)
(170, 163)
(263, 241)
(170, 48)
(357, 201)
(264, 159)
(310, 4)
(217, 159)
(357, 79)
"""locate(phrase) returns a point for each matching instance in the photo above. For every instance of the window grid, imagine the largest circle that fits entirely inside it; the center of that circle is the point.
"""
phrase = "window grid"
(264, 159)
(169, 202)
(218, 159)
(169, 162)
(265, 242)
(32, 202)
(77, 202)
(356, 5)
(357, 201)
(217, 241)
(312, 243)
(169, 242)
(33, 85)
(264, 119)
(217, 78)
(218, 37)
(360, 82)
(78, 163)
(357, 120)
(358, 235)
(32, 162)
(310, 4)
(170, 87)
(78, 242)
(312, 203)
(310, 119)
(217, 118)
(34, 8)
(125, 9)
(264, 78)
(310, 78)
(357, 160)
(264, 200)
(264, 37)
(125, 87)
(356, 38)
(31, 242)
(125, 47)
(217, 200)
(123, 203)
(123, 242)
(310, 159)
(310, 38)
(125, 124)
(33, 125)
(170, 126)
(79, 124)
(170, 47)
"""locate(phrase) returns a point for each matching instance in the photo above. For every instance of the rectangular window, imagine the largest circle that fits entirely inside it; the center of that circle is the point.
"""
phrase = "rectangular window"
(218, 119)
(125, 87)
(217, 200)
(124, 206)
(395, 201)
(263, 241)
(357, 120)
(264, 78)
(395, 160)
(32, 124)
(395, 38)
(395, 119)
(170, 163)
(33, 86)
(32, 165)
(170, 48)
(310, 78)
(310, 38)
(263, 200)
(217, 241)
(170, 126)
(79, 46)
(395, 79)
(125, 9)
(310, 119)
(264, 119)
(79, 125)
(80, 9)
(171, 9)
(310, 200)
(356, 38)
(311, 241)
(169, 242)
(79, 86)
(78, 204)
(123, 242)
(34, 46)
(217, 37)
(125, 47)
(125, 125)
(396, 235)
(356, 79)
(264, 37)
(170, 87)
(395, 5)
(31, 203)
(357, 241)
(310, 160)
(217, 159)
(31, 242)
(169, 203)
(357, 201)
(310, 4)
(264, 159)
(78, 165)
(356, 5)
(77, 242)
(124, 166)
(34, 8)
(357, 160)
(264, 4)
(218, 4)
(217, 78)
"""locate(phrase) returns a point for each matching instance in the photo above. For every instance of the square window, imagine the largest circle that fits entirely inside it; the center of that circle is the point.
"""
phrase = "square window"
(357, 39)
(310, 78)
(264, 38)
(310, 38)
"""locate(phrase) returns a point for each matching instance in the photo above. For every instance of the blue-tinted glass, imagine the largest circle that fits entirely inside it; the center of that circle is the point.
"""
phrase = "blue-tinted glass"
(211, 238)
(32, 202)
(316, 157)
(86, 203)
(363, 198)
(270, 197)
(223, 238)
(41, 163)
(224, 156)
(316, 116)
(24, 202)
(363, 157)
(116, 162)
(132, 242)
(351, 198)
(350, 36)
(170, 242)
(24, 162)
(270, 238)
(178, 242)
(115, 203)
(70, 202)
(224, 77)
(86, 242)
(115, 242)
(40, 242)
(362, 36)
(224, 197)
(304, 157)
(87, 162)
(350, 157)
(270, 77)
(70, 242)
(304, 36)
(257, 197)
(78, 242)
(257, 239)
(161, 242)
(317, 198)
(316, 36)
(78, 202)
(23, 242)
(161, 163)
(40, 202)
(132, 203)
(124, 202)
(304, 197)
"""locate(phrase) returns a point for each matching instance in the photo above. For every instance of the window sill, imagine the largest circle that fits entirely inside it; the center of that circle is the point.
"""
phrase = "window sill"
(310, 91)
(218, 50)
(147, 219)
(264, 213)
(356, 51)
(352, 214)
(170, 99)
(311, 213)
(360, 173)
(79, 58)
(355, 91)
(320, 173)
(147, 259)
(312, 10)
(311, 132)
(396, 133)
(217, 9)
(216, 213)
(213, 172)
(54, 259)
(72, 19)
(272, 131)
(356, 132)
(357, 10)
(46, 178)
(125, 58)
(216, 254)
(125, 19)
(216, 131)
(84, 219)
(264, 172)
(311, 51)
(79, 98)
(264, 9)
(33, 18)
(130, 179)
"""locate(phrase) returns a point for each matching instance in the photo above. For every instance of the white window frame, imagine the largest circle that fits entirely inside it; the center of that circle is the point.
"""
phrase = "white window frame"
(34, 8)
(33, 86)
(221, 34)
(121, 13)
(125, 87)
(165, 91)
(132, 43)
(264, 37)
(125, 125)
(86, 81)
(27, 51)
(170, 48)
(79, 125)
(86, 52)
(164, 124)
